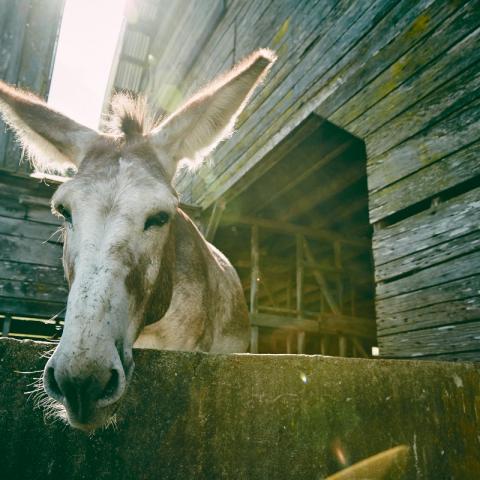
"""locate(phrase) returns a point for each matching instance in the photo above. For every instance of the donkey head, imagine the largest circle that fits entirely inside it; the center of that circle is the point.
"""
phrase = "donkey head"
(118, 212)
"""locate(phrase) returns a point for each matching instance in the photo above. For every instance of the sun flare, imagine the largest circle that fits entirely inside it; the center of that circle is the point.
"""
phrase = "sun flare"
(87, 44)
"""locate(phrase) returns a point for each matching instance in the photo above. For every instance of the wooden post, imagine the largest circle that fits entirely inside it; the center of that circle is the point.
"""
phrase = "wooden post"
(352, 299)
(321, 281)
(342, 346)
(253, 339)
(337, 249)
(214, 220)
(254, 277)
(359, 347)
(324, 345)
(7, 321)
(289, 342)
(289, 291)
(299, 286)
(301, 342)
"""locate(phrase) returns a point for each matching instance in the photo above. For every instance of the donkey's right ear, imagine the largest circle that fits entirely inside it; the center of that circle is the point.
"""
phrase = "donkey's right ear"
(53, 141)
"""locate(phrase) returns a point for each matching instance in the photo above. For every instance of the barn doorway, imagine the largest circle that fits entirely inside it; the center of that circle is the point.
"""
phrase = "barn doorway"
(300, 239)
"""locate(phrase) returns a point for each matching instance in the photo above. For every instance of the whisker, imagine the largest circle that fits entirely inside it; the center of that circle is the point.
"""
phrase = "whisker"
(27, 373)
(59, 231)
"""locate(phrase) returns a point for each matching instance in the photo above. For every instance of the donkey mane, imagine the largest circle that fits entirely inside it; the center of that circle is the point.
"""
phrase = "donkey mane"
(130, 117)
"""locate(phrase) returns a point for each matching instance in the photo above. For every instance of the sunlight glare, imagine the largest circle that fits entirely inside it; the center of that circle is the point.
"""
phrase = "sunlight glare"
(87, 44)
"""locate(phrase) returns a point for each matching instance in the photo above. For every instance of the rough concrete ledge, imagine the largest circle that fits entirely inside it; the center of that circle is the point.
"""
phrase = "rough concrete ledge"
(199, 416)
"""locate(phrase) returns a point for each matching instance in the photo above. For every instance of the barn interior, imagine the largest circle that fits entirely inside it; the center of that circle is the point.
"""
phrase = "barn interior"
(299, 237)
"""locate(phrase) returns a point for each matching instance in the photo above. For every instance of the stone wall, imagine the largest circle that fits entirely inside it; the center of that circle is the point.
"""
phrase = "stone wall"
(200, 416)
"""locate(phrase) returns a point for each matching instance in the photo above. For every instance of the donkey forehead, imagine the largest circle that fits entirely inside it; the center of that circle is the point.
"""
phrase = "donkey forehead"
(126, 184)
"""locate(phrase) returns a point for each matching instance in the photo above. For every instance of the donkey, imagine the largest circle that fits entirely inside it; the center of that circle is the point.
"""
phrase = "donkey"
(139, 271)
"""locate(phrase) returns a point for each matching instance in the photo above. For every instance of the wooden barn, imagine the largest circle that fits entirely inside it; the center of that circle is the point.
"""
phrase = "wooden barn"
(349, 197)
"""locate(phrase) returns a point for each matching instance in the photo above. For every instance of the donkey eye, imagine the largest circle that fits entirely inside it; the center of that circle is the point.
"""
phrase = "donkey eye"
(157, 220)
(64, 212)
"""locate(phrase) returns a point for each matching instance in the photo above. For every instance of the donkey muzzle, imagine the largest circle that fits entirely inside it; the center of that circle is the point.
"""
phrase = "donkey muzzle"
(84, 385)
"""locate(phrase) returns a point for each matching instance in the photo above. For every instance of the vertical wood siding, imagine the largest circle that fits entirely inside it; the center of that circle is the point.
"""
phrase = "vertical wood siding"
(28, 35)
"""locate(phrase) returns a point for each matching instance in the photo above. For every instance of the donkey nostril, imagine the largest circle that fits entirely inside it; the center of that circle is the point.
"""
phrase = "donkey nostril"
(112, 385)
(52, 384)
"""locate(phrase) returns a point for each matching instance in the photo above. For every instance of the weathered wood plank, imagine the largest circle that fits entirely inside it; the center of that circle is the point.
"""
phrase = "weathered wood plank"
(426, 183)
(35, 308)
(419, 71)
(18, 227)
(439, 45)
(470, 356)
(332, 324)
(281, 226)
(331, 186)
(303, 150)
(11, 208)
(27, 250)
(464, 288)
(456, 268)
(175, 52)
(453, 218)
(289, 146)
(349, 28)
(426, 147)
(36, 34)
(307, 163)
(416, 23)
(14, 183)
(437, 315)
(447, 255)
(274, 119)
(448, 339)
(27, 272)
(221, 42)
(446, 100)
(13, 20)
(33, 291)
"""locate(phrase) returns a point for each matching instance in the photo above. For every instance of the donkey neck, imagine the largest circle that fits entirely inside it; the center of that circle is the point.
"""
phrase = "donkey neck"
(184, 266)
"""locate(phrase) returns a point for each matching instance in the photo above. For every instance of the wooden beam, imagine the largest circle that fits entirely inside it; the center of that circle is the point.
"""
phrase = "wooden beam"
(327, 324)
(336, 152)
(254, 276)
(214, 220)
(254, 339)
(290, 228)
(325, 190)
(299, 287)
(299, 274)
(283, 323)
(230, 186)
(321, 281)
(255, 270)
(359, 347)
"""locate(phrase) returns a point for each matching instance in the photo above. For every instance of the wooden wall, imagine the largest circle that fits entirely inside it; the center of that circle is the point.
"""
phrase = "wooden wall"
(28, 36)
(32, 284)
(160, 44)
(404, 77)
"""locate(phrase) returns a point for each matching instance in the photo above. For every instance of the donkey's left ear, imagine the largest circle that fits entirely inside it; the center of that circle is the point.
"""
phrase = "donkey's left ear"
(53, 141)
(195, 129)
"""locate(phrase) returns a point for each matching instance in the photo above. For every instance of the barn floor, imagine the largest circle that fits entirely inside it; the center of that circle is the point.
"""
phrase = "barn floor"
(192, 415)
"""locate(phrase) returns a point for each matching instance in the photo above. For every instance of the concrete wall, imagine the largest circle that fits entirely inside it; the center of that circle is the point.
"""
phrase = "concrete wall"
(199, 416)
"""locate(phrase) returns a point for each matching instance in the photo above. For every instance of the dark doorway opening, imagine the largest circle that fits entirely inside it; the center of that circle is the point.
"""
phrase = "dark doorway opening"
(299, 235)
